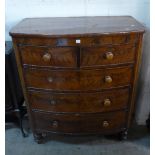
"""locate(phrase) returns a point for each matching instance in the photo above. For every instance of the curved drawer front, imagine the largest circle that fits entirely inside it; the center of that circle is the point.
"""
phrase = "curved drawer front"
(107, 55)
(78, 80)
(81, 41)
(49, 57)
(69, 123)
(79, 102)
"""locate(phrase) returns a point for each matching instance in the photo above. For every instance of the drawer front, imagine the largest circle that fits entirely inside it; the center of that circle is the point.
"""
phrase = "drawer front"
(80, 102)
(50, 57)
(80, 41)
(107, 55)
(69, 123)
(78, 80)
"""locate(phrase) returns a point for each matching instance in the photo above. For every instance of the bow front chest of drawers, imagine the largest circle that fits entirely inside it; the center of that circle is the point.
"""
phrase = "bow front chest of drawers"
(79, 74)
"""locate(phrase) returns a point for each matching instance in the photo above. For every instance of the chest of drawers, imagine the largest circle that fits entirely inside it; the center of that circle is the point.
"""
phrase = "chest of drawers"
(79, 74)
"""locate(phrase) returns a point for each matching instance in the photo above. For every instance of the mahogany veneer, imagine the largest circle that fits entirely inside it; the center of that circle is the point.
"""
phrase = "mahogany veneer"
(79, 74)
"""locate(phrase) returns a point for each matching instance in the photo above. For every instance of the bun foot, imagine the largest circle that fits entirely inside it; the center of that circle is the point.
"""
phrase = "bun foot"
(38, 138)
(123, 135)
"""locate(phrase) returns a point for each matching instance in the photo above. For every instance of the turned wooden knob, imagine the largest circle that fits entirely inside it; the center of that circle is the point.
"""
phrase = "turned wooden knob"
(47, 57)
(107, 102)
(50, 79)
(108, 79)
(105, 124)
(109, 55)
(53, 102)
(54, 124)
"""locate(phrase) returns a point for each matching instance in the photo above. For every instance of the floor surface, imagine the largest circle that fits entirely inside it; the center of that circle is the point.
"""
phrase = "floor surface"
(137, 144)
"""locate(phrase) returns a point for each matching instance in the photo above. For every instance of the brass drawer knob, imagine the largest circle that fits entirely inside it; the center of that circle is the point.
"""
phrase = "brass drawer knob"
(50, 79)
(77, 114)
(108, 79)
(109, 55)
(53, 102)
(47, 57)
(54, 124)
(107, 102)
(105, 124)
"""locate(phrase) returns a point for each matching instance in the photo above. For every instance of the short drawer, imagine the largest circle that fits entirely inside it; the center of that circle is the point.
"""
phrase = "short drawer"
(71, 123)
(107, 55)
(49, 56)
(77, 80)
(79, 102)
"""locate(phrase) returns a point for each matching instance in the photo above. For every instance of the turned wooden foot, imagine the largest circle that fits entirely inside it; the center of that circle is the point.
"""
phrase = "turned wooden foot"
(38, 138)
(123, 135)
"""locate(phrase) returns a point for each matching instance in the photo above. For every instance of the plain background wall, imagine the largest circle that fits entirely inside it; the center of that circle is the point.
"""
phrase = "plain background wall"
(16, 10)
(19, 9)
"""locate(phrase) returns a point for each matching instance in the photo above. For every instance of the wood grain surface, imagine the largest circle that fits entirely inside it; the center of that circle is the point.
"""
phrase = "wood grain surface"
(76, 26)
(77, 80)
(79, 74)
(73, 123)
(79, 102)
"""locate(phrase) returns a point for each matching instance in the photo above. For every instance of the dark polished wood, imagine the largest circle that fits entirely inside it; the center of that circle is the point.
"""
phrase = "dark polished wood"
(79, 102)
(86, 41)
(76, 123)
(45, 56)
(107, 55)
(79, 74)
(75, 26)
(77, 80)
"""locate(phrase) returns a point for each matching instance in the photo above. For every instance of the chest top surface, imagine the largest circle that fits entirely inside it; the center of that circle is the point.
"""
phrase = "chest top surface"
(59, 26)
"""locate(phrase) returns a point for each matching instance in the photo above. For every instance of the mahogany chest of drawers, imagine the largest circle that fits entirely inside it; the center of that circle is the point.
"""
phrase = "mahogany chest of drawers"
(79, 74)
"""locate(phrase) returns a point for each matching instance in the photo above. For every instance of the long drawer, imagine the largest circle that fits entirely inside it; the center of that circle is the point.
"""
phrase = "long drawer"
(65, 80)
(70, 123)
(79, 102)
(109, 39)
